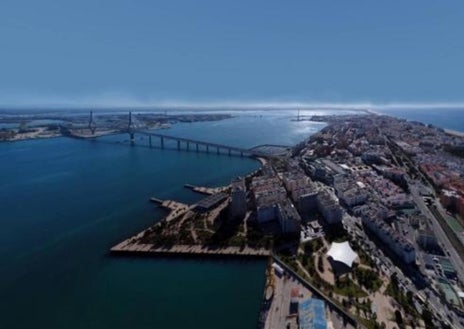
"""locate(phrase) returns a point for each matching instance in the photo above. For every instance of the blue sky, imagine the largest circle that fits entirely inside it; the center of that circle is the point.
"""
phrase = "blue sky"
(145, 52)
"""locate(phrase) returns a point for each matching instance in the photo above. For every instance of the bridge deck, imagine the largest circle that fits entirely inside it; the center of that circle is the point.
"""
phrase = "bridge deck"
(193, 141)
(217, 145)
(247, 151)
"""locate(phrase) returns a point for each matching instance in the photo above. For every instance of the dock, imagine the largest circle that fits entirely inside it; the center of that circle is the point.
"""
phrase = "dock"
(207, 190)
(176, 208)
(131, 247)
(136, 246)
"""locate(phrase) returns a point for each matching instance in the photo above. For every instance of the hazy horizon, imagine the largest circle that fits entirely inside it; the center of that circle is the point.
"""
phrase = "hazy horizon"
(34, 103)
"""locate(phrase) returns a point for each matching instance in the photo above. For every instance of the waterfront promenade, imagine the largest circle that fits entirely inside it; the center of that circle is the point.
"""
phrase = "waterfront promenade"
(131, 247)
(137, 245)
(207, 190)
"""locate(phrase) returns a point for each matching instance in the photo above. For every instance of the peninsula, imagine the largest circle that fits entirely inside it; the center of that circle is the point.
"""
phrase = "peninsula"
(366, 216)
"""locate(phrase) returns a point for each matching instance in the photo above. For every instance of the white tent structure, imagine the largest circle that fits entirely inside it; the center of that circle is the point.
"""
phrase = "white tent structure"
(342, 252)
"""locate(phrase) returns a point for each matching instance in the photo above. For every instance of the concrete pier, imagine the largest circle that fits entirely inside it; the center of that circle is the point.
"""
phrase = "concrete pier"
(129, 247)
(207, 190)
(176, 208)
(155, 200)
(138, 245)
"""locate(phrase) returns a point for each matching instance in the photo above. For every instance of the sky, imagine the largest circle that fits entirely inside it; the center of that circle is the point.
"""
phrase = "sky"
(162, 52)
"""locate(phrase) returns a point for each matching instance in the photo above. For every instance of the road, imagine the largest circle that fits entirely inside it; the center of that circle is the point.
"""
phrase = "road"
(458, 263)
(433, 300)
(455, 258)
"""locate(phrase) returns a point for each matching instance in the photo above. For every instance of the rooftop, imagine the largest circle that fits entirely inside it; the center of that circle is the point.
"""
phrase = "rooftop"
(342, 252)
(311, 314)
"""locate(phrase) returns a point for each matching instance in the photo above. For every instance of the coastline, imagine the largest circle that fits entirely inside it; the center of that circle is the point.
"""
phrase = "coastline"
(261, 160)
(454, 132)
(40, 133)
(188, 251)
(126, 220)
(149, 242)
(172, 255)
(108, 124)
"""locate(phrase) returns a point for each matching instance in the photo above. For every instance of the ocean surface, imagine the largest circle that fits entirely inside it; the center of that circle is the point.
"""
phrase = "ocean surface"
(65, 202)
(452, 119)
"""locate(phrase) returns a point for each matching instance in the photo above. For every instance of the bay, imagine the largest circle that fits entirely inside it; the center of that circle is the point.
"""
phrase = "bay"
(65, 202)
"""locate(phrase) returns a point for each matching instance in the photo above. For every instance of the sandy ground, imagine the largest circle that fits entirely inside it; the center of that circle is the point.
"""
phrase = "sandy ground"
(327, 275)
(454, 132)
(384, 309)
(262, 160)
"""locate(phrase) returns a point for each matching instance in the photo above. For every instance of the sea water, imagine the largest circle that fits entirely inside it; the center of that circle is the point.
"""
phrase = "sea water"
(65, 202)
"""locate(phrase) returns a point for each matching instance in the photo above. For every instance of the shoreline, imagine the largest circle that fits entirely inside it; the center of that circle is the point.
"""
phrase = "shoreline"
(454, 132)
(187, 251)
(148, 243)
(136, 246)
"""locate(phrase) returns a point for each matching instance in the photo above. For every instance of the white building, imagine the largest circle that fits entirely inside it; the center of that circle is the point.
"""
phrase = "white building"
(329, 208)
(342, 252)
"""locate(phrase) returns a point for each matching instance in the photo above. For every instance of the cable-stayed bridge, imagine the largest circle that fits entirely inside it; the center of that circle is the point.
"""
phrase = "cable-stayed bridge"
(155, 139)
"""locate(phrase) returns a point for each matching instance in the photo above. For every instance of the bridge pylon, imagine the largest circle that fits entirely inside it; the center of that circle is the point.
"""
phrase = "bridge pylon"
(131, 129)
(92, 126)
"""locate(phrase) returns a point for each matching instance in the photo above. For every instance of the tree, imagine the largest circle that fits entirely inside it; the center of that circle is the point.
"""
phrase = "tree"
(427, 316)
(345, 303)
(399, 318)
(320, 264)
(409, 297)
(394, 281)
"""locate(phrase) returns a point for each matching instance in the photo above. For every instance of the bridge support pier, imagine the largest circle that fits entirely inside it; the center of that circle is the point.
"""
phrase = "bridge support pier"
(190, 144)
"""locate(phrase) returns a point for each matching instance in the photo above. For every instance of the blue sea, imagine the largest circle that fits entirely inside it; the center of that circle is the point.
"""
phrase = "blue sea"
(65, 202)
(452, 119)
